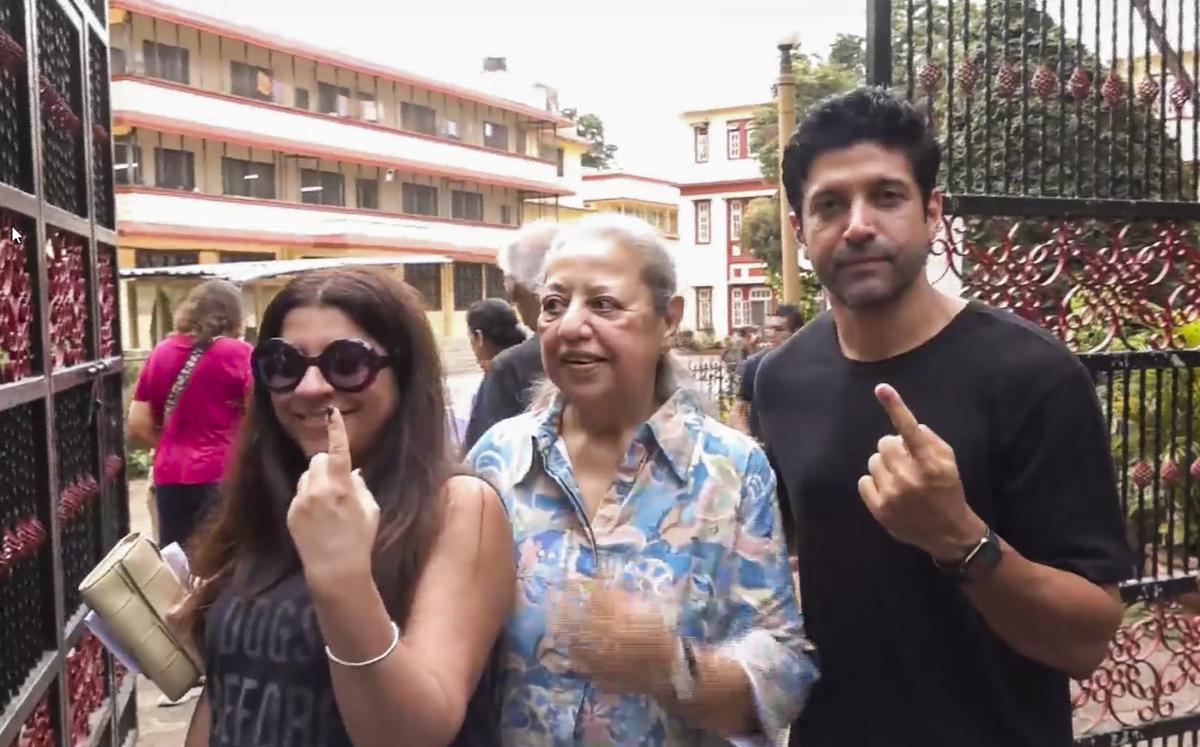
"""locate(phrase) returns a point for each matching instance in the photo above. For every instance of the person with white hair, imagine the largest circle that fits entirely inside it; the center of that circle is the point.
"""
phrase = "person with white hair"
(655, 604)
(507, 387)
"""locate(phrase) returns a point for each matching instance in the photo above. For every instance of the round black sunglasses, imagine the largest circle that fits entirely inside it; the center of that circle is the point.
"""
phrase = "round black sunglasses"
(349, 365)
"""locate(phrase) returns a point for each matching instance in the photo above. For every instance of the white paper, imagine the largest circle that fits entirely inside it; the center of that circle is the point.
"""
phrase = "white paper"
(178, 563)
(101, 631)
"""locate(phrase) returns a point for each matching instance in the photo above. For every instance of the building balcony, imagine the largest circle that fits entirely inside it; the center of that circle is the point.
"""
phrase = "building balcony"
(179, 109)
(218, 221)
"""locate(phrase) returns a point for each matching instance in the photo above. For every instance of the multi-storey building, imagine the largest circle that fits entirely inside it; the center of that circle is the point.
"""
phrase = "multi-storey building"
(231, 143)
(727, 286)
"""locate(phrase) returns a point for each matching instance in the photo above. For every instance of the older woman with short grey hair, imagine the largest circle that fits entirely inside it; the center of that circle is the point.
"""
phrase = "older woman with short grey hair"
(655, 604)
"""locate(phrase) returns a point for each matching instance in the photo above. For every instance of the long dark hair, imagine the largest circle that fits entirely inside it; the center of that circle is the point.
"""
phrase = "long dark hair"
(247, 548)
(212, 309)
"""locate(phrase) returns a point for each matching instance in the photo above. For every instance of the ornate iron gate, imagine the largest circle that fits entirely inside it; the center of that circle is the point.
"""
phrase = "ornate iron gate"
(1070, 132)
(62, 479)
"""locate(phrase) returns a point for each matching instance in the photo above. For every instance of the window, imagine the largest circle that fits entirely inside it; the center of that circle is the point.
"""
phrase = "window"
(506, 215)
(127, 162)
(246, 256)
(426, 279)
(302, 98)
(419, 199)
(468, 285)
(450, 129)
(701, 134)
(759, 306)
(250, 81)
(116, 60)
(321, 187)
(735, 227)
(333, 99)
(368, 193)
(167, 62)
(419, 118)
(164, 258)
(740, 309)
(241, 178)
(560, 160)
(703, 221)
(704, 308)
(493, 281)
(495, 135)
(174, 169)
(466, 205)
(735, 141)
(368, 107)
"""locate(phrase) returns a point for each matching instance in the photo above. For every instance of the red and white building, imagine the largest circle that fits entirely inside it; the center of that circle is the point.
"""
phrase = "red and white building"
(726, 286)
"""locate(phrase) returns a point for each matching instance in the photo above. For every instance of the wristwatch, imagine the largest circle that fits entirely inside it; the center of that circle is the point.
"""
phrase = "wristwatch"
(979, 562)
(685, 671)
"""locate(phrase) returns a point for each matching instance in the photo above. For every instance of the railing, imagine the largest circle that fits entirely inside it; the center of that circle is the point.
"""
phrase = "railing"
(718, 379)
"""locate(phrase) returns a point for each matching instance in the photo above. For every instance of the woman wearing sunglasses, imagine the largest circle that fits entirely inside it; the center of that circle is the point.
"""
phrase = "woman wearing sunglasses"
(352, 587)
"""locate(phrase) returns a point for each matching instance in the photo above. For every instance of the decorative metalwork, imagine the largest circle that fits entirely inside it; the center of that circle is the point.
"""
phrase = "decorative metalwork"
(718, 378)
(26, 614)
(16, 144)
(1151, 673)
(69, 308)
(60, 94)
(39, 730)
(1096, 285)
(78, 511)
(106, 292)
(87, 681)
(102, 172)
(1076, 105)
(61, 436)
(17, 352)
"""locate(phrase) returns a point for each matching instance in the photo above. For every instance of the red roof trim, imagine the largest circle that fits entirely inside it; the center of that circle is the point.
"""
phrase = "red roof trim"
(138, 189)
(228, 30)
(194, 129)
(619, 175)
(326, 117)
(224, 237)
(734, 185)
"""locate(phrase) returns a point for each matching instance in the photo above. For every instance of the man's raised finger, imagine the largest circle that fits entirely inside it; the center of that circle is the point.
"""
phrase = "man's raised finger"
(903, 420)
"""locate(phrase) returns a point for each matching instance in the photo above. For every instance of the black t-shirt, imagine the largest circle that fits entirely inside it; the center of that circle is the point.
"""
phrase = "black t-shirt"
(746, 389)
(905, 657)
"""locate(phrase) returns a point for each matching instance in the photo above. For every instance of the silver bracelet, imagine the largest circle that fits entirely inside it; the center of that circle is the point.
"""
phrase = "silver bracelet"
(395, 642)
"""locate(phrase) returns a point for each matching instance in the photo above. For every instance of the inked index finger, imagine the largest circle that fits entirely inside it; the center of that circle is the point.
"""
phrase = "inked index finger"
(903, 420)
(339, 446)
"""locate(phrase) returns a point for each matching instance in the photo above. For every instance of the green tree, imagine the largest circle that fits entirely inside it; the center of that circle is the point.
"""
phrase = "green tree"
(591, 128)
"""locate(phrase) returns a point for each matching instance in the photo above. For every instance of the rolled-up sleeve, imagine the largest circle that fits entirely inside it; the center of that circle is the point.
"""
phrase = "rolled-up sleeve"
(763, 629)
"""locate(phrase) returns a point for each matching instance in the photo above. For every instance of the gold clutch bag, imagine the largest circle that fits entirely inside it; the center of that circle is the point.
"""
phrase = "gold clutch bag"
(131, 591)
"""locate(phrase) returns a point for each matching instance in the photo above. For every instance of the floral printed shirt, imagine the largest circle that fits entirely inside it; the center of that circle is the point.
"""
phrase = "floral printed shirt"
(691, 519)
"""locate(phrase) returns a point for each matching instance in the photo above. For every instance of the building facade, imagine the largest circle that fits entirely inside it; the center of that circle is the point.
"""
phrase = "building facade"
(727, 286)
(231, 144)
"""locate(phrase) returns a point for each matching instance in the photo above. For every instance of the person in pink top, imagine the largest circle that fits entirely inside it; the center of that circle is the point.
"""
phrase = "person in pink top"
(189, 402)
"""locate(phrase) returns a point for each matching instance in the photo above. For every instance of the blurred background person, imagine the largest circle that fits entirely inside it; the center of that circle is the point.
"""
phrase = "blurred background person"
(779, 327)
(188, 403)
(506, 389)
(493, 328)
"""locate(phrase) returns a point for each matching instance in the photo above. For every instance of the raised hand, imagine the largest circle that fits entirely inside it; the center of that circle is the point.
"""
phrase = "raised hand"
(333, 518)
(912, 487)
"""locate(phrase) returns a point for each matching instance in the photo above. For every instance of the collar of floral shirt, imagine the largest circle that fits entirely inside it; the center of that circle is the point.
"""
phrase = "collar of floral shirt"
(675, 427)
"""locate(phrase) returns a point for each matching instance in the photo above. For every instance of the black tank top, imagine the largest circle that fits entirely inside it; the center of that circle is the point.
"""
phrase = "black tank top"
(268, 679)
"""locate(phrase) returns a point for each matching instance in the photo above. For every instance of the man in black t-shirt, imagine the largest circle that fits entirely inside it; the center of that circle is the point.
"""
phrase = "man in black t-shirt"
(779, 327)
(947, 465)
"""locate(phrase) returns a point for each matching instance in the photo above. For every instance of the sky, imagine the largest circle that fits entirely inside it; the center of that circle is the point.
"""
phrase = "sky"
(638, 64)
